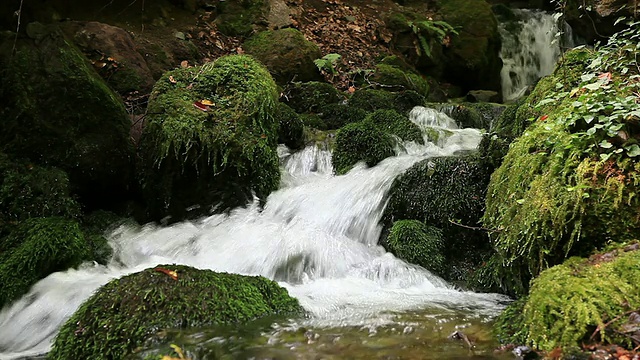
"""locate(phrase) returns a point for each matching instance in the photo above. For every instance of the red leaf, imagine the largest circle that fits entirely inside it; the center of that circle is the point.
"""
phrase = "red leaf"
(172, 274)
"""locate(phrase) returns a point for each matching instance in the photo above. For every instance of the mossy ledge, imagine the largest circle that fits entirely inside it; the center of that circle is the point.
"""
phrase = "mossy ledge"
(122, 314)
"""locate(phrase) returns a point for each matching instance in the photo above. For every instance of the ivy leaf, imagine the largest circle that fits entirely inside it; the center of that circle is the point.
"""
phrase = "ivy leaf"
(594, 86)
(605, 144)
(633, 150)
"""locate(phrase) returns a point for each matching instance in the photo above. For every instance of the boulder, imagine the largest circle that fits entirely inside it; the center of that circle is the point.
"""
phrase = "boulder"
(126, 312)
(210, 138)
(362, 141)
(416, 243)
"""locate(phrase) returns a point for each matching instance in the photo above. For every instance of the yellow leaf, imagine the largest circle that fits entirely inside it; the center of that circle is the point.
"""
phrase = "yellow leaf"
(207, 102)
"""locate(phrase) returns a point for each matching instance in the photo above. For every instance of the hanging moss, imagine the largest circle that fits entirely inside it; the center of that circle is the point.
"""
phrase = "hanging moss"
(311, 97)
(35, 249)
(290, 127)
(418, 244)
(336, 116)
(360, 142)
(214, 157)
(390, 122)
(124, 313)
(567, 302)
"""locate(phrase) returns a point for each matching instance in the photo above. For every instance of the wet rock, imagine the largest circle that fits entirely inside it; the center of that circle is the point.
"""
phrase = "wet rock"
(484, 96)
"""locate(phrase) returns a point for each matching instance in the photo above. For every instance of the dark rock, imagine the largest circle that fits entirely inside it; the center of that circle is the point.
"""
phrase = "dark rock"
(484, 96)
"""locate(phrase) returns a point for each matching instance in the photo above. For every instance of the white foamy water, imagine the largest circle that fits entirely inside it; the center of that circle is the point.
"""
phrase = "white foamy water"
(532, 52)
(317, 237)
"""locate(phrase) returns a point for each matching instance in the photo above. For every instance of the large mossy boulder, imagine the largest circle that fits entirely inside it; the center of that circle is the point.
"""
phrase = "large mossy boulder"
(194, 154)
(444, 192)
(568, 302)
(394, 78)
(568, 185)
(290, 127)
(391, 122)
(310, 97)
(360, 141)
(286, 53)
(335, 116)
(28, 191)
(417, 243)
(58, 112)
(124, 313)
(472, 59)
(36, 248)
(371, 100)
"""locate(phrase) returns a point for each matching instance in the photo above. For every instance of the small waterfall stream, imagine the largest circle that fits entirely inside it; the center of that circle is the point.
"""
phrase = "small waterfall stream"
(530, 48)
(317, 236)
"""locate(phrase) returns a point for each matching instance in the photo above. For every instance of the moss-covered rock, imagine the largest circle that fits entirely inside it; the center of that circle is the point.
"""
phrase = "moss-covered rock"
(311, 97)
(568, 302)
(336, 116)
(35, 249)
(286, 53)
(440, 192)
(28, 191)
(413, 241)
(465, 116)
(472, 60)
(240, 17)
(313, 121)
(124, 313)
(360, 141)
(371, 100)
(215, 157)
(290, 127)
(396, 79)
(59, 112)
(390, 122)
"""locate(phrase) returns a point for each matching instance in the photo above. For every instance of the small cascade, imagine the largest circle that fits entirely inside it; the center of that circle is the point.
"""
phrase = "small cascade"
(317, 236)
(531, 45)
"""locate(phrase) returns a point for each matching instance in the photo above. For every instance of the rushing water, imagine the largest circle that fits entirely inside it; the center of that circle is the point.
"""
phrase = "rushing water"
(530, 48)
(317, 236)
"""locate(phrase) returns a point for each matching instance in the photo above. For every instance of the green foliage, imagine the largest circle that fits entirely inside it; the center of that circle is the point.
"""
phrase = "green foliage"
(328, 64)
(569, 183)
(509, 326)
(124, 313)
(430, 32)
(336, 116)
(219, 156)
(360, 142)
(28, 191)
(418, 244)
(390, 122)
(35, 249)
(310, 97)
(440, 192)
(291, 128)
(567, 302)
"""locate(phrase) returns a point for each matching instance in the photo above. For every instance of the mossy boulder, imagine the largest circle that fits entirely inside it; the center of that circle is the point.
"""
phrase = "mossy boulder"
(394, 78)
(472, 60)
(58, 112)
(360, 141)
(28, 191)
(286, 53)
(417, 243)
(35, 249)
(569, 301)
(290, 127)
(241, 17)
(311, 97)
(336, 116)
(442, 192)
(371, 100)
(124, 313)
(391, 122)
(194, 154)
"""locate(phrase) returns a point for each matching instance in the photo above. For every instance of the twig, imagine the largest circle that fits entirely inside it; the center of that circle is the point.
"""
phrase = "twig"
(15, 40)
(599, 329)
(475, 227)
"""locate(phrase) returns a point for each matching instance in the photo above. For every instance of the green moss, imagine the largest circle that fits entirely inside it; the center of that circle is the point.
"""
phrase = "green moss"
(509, 325)
(291, 127)
(28, 191)
(286, 53)
(418, 244)
(390, 122)
(311, 97)
(464, 115)
(95, 227)
(567, 302)
(62, 114)
(371, 100)
(238, 17)
(220, 156)
(124, 313)
(313, 121)
(336, 116)
(35, 249)
(439, 192)
(396, 79)
(360, 142)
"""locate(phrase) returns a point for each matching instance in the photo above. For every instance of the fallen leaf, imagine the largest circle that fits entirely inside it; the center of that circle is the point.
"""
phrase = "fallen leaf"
(351, 90)
(207, 102)
(172, 274)
(172, 80)
(200, 106)
(184, 64)
(544, 117)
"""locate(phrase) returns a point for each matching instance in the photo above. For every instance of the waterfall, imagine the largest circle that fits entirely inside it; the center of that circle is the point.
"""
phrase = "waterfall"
(530, 48)
(317, 236)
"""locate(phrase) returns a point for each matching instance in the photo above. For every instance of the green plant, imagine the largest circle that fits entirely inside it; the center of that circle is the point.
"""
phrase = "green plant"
(430, 31)
(328, 64)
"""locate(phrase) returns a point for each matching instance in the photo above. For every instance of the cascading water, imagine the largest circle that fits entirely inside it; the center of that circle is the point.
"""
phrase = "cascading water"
(530, 48)
(317, 236)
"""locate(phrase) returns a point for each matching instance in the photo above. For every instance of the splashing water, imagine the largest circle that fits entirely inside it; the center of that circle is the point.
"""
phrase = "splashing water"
(531, 51)
(317, 237)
